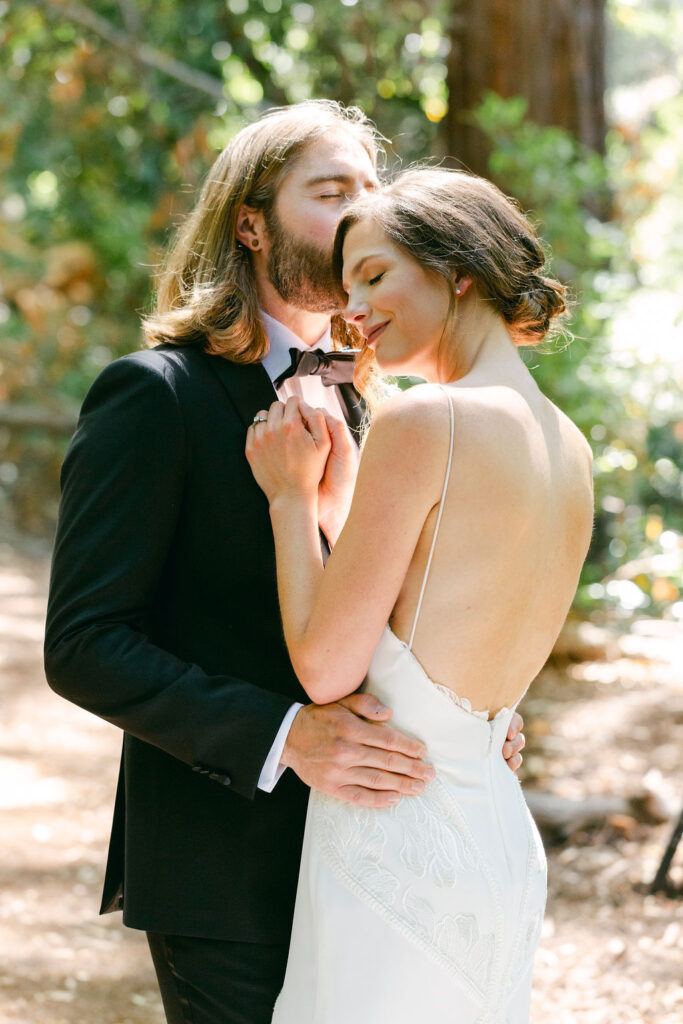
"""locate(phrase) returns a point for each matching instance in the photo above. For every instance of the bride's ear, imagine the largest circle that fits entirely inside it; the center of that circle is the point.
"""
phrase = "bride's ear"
(460, 285)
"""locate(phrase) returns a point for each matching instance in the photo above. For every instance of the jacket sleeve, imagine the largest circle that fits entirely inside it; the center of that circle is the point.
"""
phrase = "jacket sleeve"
(122, 484)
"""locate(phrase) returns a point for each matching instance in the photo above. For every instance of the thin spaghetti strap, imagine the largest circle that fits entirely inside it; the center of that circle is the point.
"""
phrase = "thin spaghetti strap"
(438, 521)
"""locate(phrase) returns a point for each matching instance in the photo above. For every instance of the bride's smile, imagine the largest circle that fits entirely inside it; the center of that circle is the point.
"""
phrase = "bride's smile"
(398, 305)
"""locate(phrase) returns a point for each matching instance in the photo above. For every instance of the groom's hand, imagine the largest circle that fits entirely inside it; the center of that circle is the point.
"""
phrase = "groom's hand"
(347, 750)
(514, 742)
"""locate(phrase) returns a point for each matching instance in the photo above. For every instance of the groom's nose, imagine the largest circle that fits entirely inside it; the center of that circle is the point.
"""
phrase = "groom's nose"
(350, 197)
(362, 190)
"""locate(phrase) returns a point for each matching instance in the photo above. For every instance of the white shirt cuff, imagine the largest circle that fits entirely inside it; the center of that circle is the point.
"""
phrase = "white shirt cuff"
(272, 769)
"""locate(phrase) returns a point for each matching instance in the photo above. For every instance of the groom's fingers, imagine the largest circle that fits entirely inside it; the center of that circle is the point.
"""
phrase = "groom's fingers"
(389, 762)
(367, 706)
(328, 745)
(362, 797)
(381, 736)
(315, 422)
(516, 726)
(338, 433)
(511, 747)
(373, 778)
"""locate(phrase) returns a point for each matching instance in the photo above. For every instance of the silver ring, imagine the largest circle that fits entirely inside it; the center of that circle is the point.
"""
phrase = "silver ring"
(260, 419)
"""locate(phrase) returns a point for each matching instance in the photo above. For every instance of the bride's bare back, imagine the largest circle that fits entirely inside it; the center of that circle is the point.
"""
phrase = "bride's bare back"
(514, 533)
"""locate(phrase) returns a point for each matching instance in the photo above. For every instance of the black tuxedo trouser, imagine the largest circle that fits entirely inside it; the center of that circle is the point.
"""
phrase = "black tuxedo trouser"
(213, 981)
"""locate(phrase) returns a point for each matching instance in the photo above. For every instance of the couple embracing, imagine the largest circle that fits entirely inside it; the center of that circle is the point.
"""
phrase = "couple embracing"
(267, 558)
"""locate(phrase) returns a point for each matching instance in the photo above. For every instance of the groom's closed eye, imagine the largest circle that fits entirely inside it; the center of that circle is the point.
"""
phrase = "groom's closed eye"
(340, 186)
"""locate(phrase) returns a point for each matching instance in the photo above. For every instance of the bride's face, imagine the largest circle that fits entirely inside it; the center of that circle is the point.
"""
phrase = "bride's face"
(399, 306)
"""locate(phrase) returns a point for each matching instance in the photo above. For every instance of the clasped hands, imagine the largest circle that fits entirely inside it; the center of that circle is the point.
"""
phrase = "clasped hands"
(295, 450)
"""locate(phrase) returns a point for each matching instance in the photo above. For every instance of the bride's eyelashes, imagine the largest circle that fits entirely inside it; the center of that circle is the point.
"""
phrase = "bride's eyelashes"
(378, 277)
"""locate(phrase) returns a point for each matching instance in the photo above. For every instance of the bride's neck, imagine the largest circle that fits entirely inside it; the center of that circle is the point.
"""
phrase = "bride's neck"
(482, 352)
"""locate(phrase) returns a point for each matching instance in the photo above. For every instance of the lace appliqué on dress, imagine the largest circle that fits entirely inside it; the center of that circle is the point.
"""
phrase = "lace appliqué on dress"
(436, 846)
(432, 846)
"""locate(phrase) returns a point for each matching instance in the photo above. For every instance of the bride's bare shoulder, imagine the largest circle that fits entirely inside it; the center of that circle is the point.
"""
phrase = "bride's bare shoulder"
(580, 441)
(410, 420)
(409, 431)
(417, 420)
(420, 405)
(493, 415)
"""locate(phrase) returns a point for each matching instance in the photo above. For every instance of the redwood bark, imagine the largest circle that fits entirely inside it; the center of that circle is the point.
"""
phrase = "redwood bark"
(550, 51)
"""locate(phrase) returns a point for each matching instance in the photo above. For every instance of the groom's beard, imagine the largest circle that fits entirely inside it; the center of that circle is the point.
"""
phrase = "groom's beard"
(300, 272)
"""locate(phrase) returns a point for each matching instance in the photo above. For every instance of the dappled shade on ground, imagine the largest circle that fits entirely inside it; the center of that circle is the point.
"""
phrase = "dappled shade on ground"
(609, 955)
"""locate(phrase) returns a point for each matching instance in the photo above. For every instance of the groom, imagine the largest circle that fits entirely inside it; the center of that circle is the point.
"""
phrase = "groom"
(163, 616)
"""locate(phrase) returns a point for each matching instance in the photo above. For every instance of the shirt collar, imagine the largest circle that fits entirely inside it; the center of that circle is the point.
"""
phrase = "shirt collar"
(281, 339)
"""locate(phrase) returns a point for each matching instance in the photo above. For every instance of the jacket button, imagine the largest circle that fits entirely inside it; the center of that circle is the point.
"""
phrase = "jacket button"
(224, 780)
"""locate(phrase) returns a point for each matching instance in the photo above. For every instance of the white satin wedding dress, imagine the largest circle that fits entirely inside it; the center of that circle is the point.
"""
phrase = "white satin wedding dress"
(429, 911)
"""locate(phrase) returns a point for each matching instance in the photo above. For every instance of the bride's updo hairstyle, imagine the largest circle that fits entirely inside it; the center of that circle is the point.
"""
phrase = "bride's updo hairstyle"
(460, 225)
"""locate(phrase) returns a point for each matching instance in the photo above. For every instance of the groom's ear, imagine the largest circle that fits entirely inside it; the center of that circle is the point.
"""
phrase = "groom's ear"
(251, 227)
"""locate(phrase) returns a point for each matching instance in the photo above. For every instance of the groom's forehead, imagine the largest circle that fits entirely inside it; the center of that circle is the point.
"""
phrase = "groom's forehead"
(336, 156)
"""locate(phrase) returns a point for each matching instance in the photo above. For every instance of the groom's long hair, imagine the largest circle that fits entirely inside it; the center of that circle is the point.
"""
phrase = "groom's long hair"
(206, 294)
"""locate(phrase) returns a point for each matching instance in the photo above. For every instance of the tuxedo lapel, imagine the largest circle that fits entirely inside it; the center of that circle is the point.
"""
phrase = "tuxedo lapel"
(250, 389)
(248, 385)
(353, 406)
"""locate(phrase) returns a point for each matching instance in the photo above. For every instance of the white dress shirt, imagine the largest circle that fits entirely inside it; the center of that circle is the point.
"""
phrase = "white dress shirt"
(313, 391)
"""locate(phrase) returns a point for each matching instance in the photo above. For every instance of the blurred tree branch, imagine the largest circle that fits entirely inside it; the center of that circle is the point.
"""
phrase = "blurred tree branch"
(131, 16)
(141, 52)
(27, 416)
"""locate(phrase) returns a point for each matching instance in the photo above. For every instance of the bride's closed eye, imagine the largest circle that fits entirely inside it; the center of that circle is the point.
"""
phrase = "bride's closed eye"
(378, 277)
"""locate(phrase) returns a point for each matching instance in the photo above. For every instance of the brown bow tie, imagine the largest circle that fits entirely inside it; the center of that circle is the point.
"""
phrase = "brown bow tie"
(333, 367)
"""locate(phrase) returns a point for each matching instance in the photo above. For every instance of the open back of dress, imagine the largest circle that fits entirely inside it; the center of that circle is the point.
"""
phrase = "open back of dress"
(430, 910)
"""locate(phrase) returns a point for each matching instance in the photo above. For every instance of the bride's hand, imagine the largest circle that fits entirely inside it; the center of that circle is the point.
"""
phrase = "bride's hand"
(287, 453)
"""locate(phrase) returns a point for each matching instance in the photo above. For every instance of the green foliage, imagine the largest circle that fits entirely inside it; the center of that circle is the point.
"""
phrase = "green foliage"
(102, 151)
(617, 389)
(111, 113)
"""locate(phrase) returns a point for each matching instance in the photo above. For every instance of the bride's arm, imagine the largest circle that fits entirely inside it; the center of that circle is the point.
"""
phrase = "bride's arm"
(333, 619)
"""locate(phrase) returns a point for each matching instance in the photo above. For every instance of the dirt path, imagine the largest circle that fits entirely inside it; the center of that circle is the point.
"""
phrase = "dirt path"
(609, 954)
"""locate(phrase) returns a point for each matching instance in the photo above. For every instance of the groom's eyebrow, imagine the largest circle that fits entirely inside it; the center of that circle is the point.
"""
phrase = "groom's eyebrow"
(341, 179)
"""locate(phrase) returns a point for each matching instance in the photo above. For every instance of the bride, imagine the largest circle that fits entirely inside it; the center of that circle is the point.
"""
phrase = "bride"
(446, 588)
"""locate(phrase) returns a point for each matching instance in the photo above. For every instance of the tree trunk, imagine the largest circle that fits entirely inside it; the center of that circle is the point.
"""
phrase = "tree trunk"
(549, 51)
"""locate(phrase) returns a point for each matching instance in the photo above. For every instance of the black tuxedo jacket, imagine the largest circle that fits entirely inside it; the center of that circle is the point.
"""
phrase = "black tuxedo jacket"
(163, 619)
